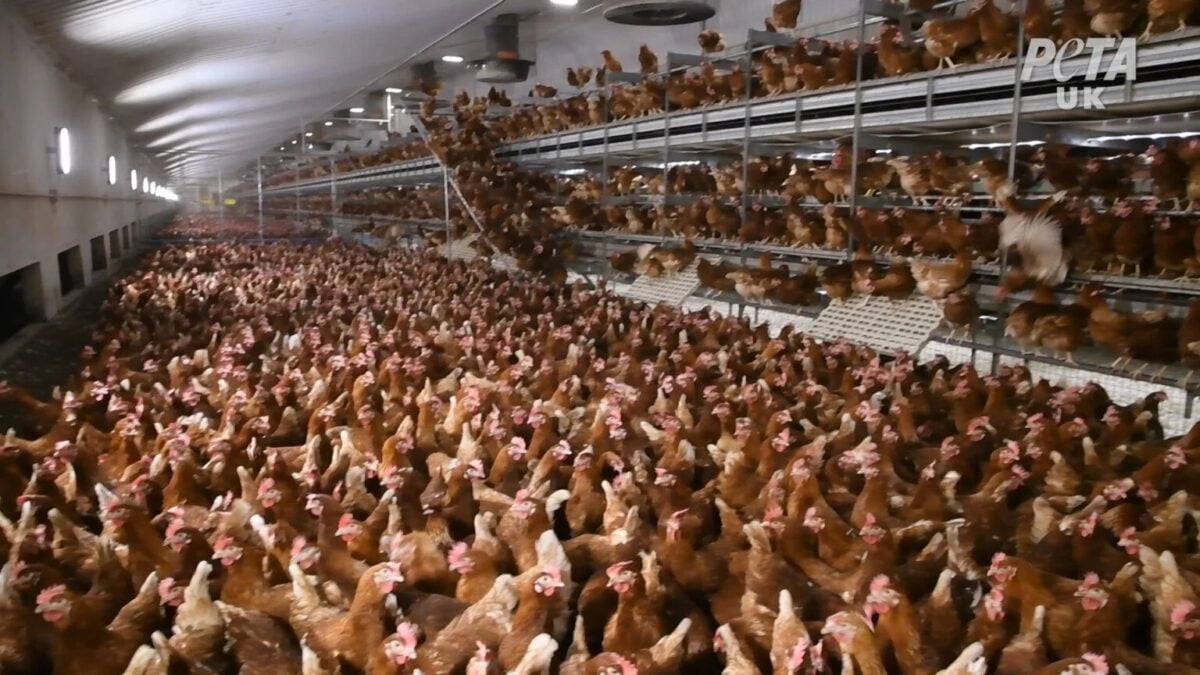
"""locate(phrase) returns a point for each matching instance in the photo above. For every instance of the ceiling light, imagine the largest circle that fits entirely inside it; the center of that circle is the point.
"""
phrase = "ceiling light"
(357, 110)
(996, 146)
(329, 124)
(394, 90)
(295, 142)
(133, 179)
(63, 135)
(451, 58)
(308, 134)
(145, 184)
(153, 187)
(564, 3)
(112, 170)
(282, 148)
(1148, 137)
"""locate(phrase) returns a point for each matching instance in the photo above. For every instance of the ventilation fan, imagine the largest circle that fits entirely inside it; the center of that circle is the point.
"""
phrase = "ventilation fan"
(504, 64)
(660, 13)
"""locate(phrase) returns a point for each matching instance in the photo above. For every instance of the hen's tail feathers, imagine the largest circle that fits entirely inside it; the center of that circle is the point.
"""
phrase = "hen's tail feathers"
(1038, 238)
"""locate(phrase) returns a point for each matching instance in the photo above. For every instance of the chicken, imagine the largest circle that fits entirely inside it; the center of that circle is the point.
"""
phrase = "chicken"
(961, 311)
(1110, 18)
(199, 639)
(611, 64)
(1063, 331)
(487, 621)
(1021, 321)
(997, 31)
(334, 634)
(897, 284)
(837, 280)
(1169, 174)
(1133, 237)
(1166, 15)
(112, 646)
(894, 58)
(1173, 248)
(1038, 20)
(914, 179)
(939, 280)
(1189, 339)
(1038, 238)
(785, 14)
(648, 60)
(712, 42)
(945, 39)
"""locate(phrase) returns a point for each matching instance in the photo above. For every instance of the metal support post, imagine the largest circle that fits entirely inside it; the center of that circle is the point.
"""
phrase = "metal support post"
(856, 138)
(1018, 64)
(333, 196)
(261, 229)
(446, 195)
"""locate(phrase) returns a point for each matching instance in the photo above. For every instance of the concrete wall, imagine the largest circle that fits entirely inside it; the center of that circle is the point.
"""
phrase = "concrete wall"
(559, 40)
(43, 213)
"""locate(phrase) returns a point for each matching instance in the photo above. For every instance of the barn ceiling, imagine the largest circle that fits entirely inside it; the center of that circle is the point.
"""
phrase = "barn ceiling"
(202, 85)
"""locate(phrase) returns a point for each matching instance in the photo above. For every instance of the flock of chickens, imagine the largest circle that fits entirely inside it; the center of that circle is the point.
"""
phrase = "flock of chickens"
(330, 459)
(985, 33)
(234, 228)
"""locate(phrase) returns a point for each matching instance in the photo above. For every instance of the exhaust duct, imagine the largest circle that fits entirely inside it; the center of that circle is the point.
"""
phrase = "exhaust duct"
(660, 13)
(504, 64)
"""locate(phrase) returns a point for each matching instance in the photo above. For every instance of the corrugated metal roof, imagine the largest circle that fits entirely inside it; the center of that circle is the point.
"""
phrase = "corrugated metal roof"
(219, 81)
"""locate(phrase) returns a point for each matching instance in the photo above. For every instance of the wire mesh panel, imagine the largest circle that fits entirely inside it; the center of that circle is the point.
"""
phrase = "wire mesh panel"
(672, 289)
(885, 325)
(1122, 390)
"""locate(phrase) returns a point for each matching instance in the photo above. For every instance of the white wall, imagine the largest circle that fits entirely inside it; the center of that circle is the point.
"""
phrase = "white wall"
(41, 212)
(558, 40)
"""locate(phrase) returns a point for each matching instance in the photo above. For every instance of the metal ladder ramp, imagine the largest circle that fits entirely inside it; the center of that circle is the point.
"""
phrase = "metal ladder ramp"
(884, 325)
(672, 289)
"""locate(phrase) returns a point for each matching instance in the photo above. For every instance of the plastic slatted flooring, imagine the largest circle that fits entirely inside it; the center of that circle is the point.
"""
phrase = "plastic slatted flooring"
(672, 289)
(460, 249)
(880, 323)
(505, 263)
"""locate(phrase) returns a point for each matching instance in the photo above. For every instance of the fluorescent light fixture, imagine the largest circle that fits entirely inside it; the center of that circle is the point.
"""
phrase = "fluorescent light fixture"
(394, 90)
(145, 184)
(153, 188)
(1147, 137)
(994, 146)
(572, 172)
(671, 165)
(295, 142)
(308, 134)
(112, 170)
(356, 110)
(564, 3)
(329, 123)
(451, 58)
(63, 150)
(133, 179)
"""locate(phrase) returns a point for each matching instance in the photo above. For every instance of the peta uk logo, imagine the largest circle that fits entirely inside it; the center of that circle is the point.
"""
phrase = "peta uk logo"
(1044, 52)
